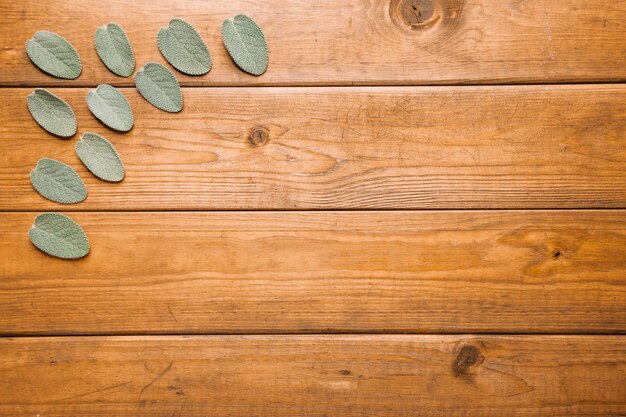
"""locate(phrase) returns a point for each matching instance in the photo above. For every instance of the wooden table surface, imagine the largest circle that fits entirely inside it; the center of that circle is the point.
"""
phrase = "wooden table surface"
(434, 225)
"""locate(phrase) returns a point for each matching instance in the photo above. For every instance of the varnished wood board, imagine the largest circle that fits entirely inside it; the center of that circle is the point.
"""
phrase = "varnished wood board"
(342, 148)
(326, 42)
(242, 376)
(291, 272)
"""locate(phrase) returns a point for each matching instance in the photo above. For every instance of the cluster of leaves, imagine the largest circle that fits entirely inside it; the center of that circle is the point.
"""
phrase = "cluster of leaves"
(180, 44)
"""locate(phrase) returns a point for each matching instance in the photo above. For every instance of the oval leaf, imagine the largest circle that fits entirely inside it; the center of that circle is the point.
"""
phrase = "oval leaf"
(113, 48)
(58, 235)
(159, 86)
(58, 182)
(246, 44)
(183, 47)
(100, 157)
(110, 107)
(53, 54)
(52, 113)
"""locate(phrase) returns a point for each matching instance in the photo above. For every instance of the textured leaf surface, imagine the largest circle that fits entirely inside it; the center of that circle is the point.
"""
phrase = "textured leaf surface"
(113, 48)
(110, 106)
(58, 182)
(52, 113)
(246, 44)
(100, 157)
(53, 54)
(58, 235)
(159, 86)
(183, 47)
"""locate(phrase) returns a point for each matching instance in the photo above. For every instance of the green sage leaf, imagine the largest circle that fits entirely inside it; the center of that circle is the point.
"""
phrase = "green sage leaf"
(58, 182)
(58, 235)
(52, 113)
(246, 44)
(110, 107)
(100, 157)
(159, 86)
(53, 54)
(183, 47)
(113, 48)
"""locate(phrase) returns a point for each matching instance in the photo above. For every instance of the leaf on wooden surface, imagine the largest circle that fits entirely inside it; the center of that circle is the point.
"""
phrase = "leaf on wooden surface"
(100, 157)
(58, 235)
(159, 87)
(52, 113)
(58, 182)
(246, 44)
(53, 54)
(113, 48)
(110, 106)
(183, 48)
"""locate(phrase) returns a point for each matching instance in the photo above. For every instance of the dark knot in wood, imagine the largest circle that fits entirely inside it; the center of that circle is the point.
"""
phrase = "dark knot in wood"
(416, 12)
(467, 357)
(419, 15)
(259, 136)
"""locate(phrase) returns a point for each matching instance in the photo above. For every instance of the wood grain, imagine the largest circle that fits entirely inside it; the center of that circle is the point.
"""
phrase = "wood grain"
(242, 376)
(342, 148)
(333, 42)
(286, 272)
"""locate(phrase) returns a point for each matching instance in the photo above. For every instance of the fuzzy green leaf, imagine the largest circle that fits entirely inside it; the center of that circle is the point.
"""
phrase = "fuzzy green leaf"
(52, 113)
(100, 157)
(183, 47)
(113, 48)
(58, 182)
(246, 44)
(111, 107)
(58, 235)
(159, 86)
(53, 54)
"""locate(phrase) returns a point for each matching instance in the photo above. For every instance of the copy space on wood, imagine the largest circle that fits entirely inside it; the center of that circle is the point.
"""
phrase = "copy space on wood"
(286, 272)
(327, 42)
(329, 148)
(240, 376)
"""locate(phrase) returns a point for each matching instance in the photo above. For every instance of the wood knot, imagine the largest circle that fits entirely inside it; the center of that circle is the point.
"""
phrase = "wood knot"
(467, 357)
(557, 254)
(259, 136)
(415, 12)
(418, 15)
(177, 390)
(344, 372)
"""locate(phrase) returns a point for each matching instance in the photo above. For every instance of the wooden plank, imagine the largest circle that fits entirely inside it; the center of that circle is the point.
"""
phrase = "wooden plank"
(285, 272)
(365, 147)
(241, 376)
(346, 42)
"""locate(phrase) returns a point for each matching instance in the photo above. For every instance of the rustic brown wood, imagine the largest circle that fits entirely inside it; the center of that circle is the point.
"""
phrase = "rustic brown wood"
(346, 42)
(242, 376)
(284, 272)
(327, 148)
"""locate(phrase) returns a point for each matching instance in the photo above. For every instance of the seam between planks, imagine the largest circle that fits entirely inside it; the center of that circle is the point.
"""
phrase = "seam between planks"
(312, 334)
(322, 85)
(330, 210)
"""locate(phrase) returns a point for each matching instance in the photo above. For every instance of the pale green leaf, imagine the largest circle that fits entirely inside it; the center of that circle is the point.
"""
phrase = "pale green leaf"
(246, 44)
(110, 106)
(159, 86)
(113, 48)
(100, 157)
(52, 113)
(53, 54)
(58, 182)
(58, 235)
(183, 47)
